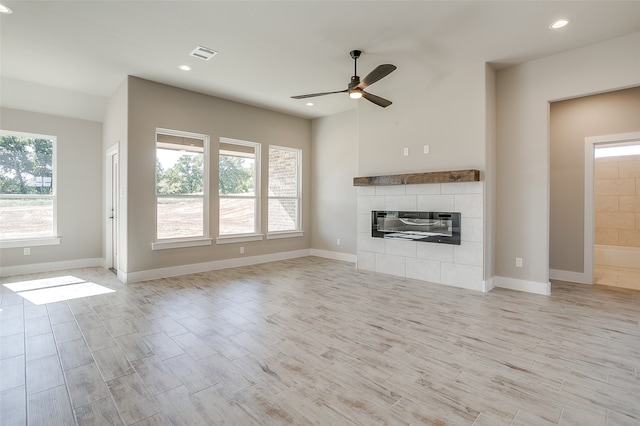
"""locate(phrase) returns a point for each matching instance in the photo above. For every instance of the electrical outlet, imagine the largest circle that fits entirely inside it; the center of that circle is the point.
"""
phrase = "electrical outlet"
(338, 241)
(406, 151)
(518, 262)
(241, 250)
(426, 149)
(27, 251)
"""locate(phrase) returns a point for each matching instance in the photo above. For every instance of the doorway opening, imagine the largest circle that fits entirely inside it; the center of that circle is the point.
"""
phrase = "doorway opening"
(612, 209)
(112, 209)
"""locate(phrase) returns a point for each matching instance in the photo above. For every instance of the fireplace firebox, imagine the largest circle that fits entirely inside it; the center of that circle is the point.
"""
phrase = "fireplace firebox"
(431, 227)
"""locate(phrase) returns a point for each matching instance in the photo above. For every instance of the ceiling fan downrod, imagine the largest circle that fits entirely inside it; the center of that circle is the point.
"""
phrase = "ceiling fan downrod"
(355, 54)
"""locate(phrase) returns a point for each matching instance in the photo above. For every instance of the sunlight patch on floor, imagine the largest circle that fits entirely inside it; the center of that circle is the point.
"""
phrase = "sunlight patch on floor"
(57, 289)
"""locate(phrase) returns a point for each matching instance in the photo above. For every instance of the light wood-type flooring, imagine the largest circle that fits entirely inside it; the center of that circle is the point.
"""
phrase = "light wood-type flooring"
(315, 341)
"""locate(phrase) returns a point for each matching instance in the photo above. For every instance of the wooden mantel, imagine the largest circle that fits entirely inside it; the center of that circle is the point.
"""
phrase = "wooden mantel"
(415, 178)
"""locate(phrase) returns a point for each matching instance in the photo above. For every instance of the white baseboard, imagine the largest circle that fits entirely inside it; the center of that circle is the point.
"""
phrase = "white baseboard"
(345, 257)
(570, 276)
(35, 268)
(523, 285)
(487, 285)
(475, 286)
(174, 271)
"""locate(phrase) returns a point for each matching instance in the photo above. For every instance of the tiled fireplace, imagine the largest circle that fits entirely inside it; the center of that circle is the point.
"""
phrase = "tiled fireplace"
(456, 265)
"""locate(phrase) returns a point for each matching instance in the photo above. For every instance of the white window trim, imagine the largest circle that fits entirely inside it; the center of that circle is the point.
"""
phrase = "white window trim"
(253, 236)
(53, 239)
(174, 243)
(239, 238)
(180, 242)
(291, 233)
(276, 235)
(33, 242)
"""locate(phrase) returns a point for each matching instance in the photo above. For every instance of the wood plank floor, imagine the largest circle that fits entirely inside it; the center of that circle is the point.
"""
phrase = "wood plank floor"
(314, 341)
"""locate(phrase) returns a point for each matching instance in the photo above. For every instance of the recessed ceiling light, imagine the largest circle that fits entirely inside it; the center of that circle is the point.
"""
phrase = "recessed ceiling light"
(6, 10)
(185, 67)
(309, 104)
(559, 24)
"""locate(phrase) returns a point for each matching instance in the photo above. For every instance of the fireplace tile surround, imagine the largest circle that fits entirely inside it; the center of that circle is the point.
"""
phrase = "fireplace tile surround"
(460, 266)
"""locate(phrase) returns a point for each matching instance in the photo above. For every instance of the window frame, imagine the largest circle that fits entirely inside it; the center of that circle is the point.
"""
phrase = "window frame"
(179, 242)
(52, 239)
(298, 232)
(256, 235)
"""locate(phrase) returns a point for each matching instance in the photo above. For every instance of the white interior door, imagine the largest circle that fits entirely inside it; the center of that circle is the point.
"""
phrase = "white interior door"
(113, 190)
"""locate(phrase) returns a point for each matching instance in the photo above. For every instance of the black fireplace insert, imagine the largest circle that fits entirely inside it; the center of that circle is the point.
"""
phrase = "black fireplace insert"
(431, 227)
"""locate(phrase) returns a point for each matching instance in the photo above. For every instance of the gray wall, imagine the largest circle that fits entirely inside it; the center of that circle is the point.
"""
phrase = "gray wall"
(448, 113)
(79, 175)
(571, 121)
(334, 156)
(29, 96)
(489, 177)
(523, 96)
(152, 105)
(115, 134)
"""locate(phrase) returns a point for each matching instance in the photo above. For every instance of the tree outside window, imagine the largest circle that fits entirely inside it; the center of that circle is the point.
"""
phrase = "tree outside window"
(238, 187)
(181, 185)
(27, 186)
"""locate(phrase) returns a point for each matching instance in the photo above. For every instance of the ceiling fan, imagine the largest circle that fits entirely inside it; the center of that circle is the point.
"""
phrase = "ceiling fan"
(356, 87)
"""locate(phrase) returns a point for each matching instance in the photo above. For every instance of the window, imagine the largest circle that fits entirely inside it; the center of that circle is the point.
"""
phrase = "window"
(620, 150)
(181, 185)
(239, 184)
(27, 186)
(284, 189)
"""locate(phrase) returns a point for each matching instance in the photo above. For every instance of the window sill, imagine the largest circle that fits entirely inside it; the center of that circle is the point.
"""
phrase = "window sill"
(228, 239)
(173, 244)
(47, 241)
(284, 234)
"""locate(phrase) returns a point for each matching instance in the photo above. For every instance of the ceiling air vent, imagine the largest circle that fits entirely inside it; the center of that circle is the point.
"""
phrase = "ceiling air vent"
(203, 53)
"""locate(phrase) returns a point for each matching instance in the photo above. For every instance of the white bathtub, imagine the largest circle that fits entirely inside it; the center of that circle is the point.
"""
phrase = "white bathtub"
(617, 256)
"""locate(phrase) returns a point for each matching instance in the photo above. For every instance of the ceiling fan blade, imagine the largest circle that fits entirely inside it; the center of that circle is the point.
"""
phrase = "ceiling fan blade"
(381, 71)
(376, 99)
(311, 95)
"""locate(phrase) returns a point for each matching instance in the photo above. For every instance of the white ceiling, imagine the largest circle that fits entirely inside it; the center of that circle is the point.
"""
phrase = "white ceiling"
(269, 51)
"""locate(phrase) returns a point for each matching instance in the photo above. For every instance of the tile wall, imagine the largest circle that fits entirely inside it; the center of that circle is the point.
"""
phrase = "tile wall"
(617, 201)
(456, 265)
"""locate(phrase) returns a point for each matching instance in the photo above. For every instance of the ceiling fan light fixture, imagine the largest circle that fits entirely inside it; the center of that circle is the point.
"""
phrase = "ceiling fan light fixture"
(5, 9)
(355, 94)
